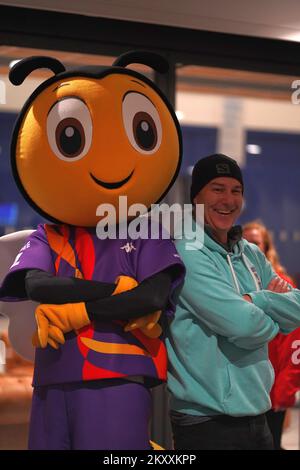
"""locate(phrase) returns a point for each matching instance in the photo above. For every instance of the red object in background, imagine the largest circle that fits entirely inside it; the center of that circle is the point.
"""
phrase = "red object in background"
(283, 356)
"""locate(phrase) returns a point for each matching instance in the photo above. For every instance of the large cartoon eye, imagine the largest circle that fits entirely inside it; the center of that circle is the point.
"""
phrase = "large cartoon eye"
(142, 123)
(69, 129)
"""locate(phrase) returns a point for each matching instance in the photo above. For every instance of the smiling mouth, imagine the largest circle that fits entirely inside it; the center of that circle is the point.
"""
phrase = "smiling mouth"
(224, 212)
(114, 185)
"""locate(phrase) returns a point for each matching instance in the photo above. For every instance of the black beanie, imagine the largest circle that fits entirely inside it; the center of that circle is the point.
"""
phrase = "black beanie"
(211, 167)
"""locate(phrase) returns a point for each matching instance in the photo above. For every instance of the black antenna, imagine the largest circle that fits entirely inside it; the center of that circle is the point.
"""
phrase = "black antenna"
(153, 60)
(24, 67)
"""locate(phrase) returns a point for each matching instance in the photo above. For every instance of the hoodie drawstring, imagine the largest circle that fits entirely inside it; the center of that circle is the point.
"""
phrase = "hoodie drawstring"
(248, 266)
(235, 280)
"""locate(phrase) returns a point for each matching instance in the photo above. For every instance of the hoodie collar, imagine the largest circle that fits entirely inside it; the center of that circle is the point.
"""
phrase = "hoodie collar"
(233, 237)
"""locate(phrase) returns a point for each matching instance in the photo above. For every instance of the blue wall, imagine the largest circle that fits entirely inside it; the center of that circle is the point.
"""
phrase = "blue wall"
(272, 190)
(9, 194)
(197, 142)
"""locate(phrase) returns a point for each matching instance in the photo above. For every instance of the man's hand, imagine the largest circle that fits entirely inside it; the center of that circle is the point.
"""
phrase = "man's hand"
(279, 285)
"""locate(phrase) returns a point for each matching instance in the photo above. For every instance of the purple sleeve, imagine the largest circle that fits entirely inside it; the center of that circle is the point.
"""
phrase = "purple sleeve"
(156, 256)
(35, 254)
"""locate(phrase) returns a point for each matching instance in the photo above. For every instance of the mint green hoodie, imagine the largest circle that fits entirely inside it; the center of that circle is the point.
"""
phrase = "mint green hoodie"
(217, 342)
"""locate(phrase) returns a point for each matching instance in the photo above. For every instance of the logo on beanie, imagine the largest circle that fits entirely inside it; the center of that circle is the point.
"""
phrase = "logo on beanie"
(223, 169)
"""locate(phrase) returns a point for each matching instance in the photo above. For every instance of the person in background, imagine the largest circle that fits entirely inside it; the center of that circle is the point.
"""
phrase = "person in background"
(282, 347)
(231, 306)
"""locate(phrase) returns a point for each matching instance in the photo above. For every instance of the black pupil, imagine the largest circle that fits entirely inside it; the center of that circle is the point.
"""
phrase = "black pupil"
(70, 137)
(145, 131)
(70, 140)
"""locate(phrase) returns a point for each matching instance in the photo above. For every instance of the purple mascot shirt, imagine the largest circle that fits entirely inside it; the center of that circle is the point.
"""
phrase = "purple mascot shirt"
(103, 349)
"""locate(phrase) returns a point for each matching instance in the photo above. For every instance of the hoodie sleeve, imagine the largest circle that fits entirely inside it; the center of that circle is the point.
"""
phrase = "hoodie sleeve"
(215, 302)
(284, 309)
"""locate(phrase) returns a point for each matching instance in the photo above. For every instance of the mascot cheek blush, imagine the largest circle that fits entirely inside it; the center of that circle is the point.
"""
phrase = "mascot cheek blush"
(95, 307)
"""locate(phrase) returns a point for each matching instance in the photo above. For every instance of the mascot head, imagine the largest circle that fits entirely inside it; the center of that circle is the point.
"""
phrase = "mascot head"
(87, 136)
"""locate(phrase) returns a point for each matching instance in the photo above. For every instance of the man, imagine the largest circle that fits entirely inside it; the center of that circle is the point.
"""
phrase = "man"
(232, 304)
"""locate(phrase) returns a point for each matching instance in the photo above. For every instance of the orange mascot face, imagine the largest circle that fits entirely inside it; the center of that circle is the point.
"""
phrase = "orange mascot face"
(85, 138)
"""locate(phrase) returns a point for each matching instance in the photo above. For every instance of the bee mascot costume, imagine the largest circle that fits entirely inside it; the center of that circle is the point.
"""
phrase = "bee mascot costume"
(95, 306)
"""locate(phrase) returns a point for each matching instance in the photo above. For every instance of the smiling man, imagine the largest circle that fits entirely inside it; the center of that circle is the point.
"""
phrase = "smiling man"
(231, 305)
